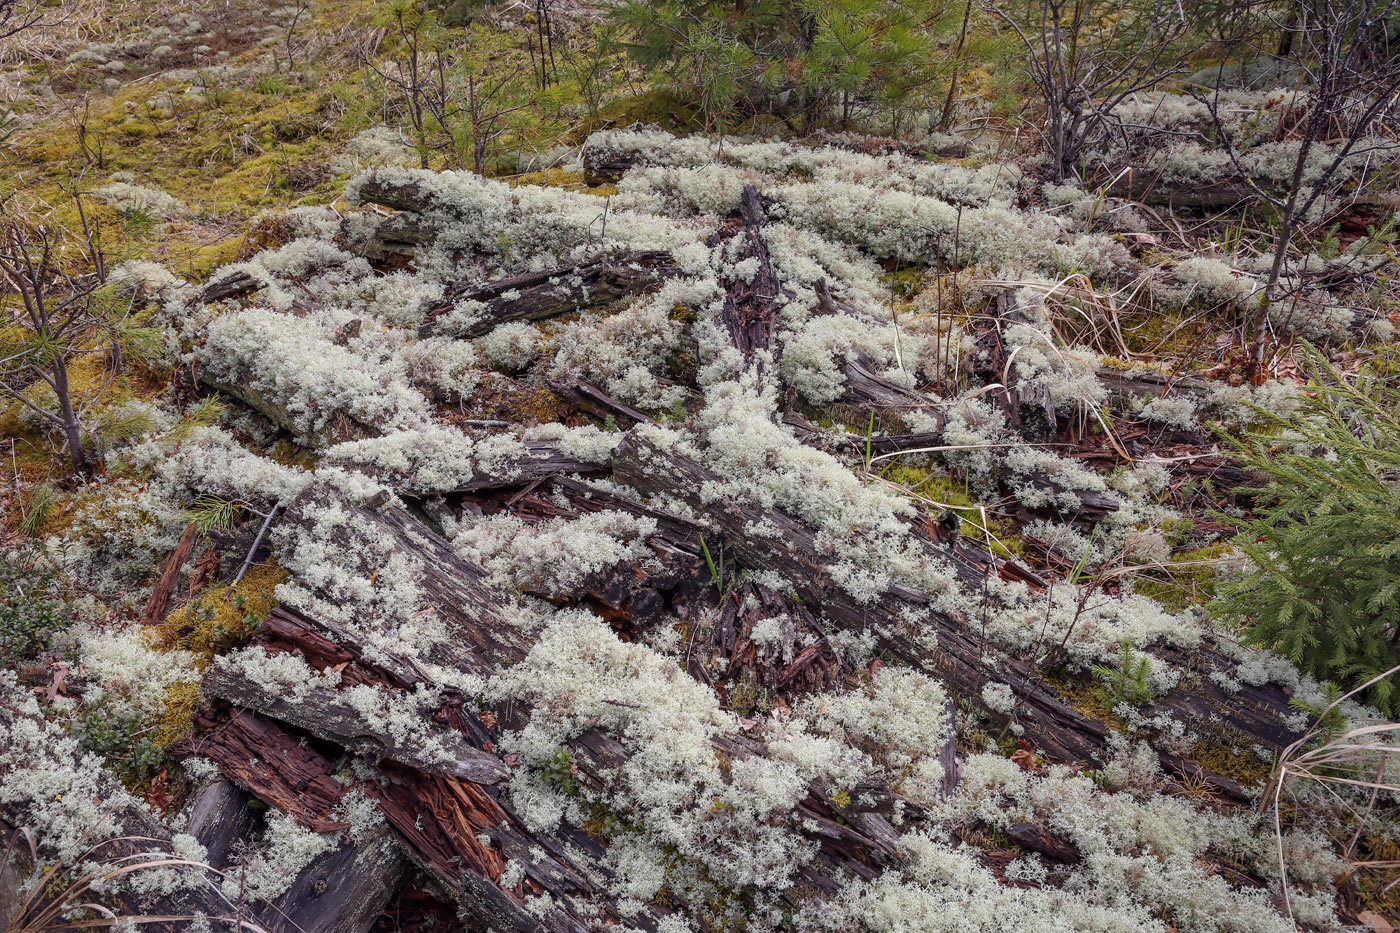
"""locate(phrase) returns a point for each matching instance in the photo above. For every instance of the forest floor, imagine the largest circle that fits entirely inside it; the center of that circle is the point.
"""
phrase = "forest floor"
(807, 520)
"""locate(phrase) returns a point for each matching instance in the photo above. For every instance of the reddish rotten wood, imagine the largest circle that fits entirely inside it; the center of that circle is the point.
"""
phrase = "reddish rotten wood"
(159, 605)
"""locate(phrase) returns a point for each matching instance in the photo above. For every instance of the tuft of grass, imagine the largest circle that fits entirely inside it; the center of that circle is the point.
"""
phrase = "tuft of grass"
(43, 499)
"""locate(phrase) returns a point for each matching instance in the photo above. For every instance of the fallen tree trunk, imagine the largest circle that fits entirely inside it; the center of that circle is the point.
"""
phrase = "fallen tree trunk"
(540, 461)
(219, 817)
(463, 830)
(789, 547)
(119, 844)
(750, 303)
(1147, 185)
(1093, 505)
(605, 165)
(344, 890)
(332, 716)
(232, 285)
(1140, 183)
(535, 296)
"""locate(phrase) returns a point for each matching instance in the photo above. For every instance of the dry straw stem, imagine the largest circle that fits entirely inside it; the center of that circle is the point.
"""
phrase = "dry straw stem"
(38, 913)
(1074, 292)
(68, 25)
(1344, 761)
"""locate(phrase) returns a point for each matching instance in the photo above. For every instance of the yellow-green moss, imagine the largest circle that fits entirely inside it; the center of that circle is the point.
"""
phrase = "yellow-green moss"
(1188, 579)
(178, 716)
(1235, 760)
(221, 615)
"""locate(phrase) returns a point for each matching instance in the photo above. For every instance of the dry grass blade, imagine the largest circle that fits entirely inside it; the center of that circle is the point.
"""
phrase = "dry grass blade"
(56, 895)
(1327, 766)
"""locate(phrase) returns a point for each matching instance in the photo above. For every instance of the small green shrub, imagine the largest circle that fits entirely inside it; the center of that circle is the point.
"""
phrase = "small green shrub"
(1324, 538)
(121, 734)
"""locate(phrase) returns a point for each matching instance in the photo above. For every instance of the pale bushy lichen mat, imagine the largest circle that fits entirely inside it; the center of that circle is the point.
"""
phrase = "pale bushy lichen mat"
(334, 346)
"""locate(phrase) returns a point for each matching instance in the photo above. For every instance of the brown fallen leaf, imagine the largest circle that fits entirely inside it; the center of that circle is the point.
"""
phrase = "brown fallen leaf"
(60, 674)
(1376, 922)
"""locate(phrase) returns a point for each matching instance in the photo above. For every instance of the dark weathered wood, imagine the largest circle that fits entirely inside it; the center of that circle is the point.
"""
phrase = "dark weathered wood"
(399, 195)
(220, 818)
(1059, 731)
(589, 398)
(750, 307)
(1038, 839)
(1028, 406)
(866, 388)
(535, 296)
(343, 891)
(793, 552)
(1145, 184)
(540, 461)
(136, 836)
(1092, 505)
(328, 715)
(604, 166)
(444, 820)
(1123, 387)
(1139, 183)
(463, 831)
(951, 147)
(275, 410)
(231, 285)
(401, 234)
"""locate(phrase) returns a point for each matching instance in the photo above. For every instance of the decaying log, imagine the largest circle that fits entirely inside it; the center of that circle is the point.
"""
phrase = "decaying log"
(1060, 731)
(868, 389)
(1124, 386)
(947, 146)
(1092, 505)
(540, 461)
(446, 821)
(750, 305)
(790, 548)
(401, 196)
(272, 762)
(133, 835)
(463, 831)
(220, 818)
(1028, 407)
(159, 603)
(633, 595)
(1139, 183)
(331, 716)
(344, 890)
(603, 165)
(231, 285)
(589, 398)
(1035, 838)
(1146, 185)
(341, 891)
(535, 296)
(276, 411)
